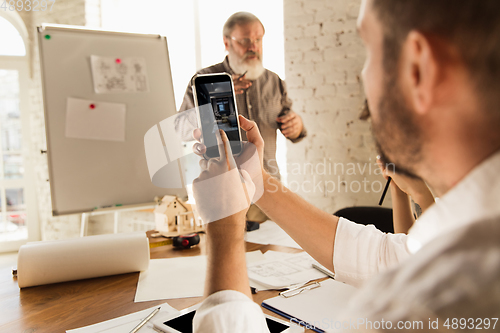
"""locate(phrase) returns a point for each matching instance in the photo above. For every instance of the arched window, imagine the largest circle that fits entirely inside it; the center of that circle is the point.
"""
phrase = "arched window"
(11, 42)
(18, 210)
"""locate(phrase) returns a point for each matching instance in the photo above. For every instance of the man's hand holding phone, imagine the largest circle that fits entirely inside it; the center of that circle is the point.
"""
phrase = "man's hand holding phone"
(228, 184)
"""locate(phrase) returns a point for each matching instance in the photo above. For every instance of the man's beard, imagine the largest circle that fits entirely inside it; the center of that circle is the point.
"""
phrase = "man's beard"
(239, 65)
(397, 136)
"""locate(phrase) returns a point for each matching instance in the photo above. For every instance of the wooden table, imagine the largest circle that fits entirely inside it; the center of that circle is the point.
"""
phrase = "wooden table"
(58, 307)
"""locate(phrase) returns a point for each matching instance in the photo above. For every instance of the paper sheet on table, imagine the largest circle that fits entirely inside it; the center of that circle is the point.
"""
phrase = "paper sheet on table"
(283, 270)
(259, 286)
(253, 257)
(270, 233)
(119, 75)
(128, 322)
(177, 277)
(276, 255)
(268, 255)
(46, 262)
(105, 121)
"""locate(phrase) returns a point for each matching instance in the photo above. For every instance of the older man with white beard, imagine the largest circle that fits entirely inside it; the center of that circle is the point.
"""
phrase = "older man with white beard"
(260, 94)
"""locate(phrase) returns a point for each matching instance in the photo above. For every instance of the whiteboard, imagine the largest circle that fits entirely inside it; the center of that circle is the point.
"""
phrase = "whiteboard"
(86, 174)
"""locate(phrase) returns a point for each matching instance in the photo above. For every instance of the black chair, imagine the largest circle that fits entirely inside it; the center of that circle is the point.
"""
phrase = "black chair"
(380, 217)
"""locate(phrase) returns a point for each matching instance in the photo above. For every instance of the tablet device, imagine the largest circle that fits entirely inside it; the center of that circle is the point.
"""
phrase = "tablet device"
(183, 322)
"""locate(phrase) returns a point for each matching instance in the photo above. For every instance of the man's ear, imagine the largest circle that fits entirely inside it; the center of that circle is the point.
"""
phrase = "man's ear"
(419, 68)
(226, 43)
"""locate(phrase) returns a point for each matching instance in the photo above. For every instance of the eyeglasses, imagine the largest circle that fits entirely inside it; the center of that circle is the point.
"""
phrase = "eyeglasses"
(247, 42)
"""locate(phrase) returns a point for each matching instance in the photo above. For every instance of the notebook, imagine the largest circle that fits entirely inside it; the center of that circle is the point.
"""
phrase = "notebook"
(315, 306)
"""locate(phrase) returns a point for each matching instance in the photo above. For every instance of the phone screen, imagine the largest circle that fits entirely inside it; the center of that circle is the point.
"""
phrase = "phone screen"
(217, 110)
(184, 324)
(275, 327)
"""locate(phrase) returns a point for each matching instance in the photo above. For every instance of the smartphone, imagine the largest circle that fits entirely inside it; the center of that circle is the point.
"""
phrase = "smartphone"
(183, 322)
(216, 109)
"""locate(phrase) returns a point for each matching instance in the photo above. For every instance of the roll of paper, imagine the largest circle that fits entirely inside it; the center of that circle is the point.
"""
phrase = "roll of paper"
(48, 262)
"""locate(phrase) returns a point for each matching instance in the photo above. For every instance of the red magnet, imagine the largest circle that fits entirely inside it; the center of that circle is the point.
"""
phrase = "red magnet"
(118, 61)
(92, 106)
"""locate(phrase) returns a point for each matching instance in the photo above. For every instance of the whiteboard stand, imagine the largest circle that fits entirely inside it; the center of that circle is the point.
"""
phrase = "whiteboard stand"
(84, 224)
(115, 224)
(116, 215)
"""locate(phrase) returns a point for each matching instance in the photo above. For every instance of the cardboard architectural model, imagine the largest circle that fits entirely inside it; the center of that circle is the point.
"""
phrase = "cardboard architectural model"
(174, 217)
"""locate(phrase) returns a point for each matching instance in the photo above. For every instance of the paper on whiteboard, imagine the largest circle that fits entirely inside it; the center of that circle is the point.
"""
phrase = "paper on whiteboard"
(119, 75)
(127, 323)
(87, 119)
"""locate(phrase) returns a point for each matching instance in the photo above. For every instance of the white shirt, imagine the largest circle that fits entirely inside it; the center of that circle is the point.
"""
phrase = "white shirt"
(474, 198)
(362, 251)
(453, 280)
(229, 311)
(454, 271)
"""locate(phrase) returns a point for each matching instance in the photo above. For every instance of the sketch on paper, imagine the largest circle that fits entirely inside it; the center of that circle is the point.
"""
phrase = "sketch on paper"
(281, 270)
(119, 75)
(273, 269)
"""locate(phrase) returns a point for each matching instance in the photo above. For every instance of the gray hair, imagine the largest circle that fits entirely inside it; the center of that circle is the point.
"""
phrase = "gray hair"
(239, 18)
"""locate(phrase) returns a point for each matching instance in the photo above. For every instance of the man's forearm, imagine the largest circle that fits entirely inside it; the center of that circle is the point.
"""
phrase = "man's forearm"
(313, 229)
(226, 264)
(402, 215)
(424, 199)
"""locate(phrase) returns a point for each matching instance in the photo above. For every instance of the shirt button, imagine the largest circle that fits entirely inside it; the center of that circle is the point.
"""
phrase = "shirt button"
(249, 106)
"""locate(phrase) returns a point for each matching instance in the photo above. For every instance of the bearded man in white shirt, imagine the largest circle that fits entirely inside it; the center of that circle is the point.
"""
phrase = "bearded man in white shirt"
(431, 78)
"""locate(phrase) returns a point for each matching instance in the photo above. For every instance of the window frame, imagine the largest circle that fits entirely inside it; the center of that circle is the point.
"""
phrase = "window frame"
(22, 65)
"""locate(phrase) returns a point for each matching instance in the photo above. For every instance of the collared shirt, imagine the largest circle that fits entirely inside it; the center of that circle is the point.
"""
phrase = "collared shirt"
(229, 311)
(452, 284)
(262, 102)
(474, 198)
(455, 269)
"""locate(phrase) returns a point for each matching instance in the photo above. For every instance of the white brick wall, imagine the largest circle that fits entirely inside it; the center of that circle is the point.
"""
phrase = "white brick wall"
(93, 13)
(323, 61)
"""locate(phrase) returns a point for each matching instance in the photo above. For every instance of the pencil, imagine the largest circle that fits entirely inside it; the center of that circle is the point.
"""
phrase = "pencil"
(326, 272)
(241, 76)
(142, 323)
(385, 191)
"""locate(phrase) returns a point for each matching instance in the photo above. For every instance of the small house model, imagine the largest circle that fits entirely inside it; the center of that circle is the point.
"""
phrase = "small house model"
(174, 217)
